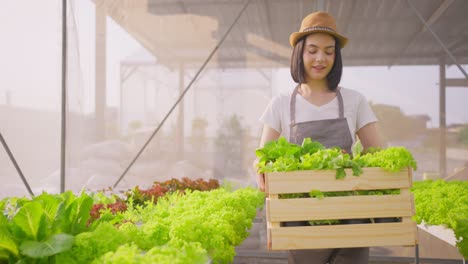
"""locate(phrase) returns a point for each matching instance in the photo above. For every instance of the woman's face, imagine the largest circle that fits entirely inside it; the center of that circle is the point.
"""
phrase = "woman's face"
(319, 56)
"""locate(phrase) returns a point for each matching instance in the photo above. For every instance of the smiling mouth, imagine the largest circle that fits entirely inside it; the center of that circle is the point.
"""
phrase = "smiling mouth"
(318, 67)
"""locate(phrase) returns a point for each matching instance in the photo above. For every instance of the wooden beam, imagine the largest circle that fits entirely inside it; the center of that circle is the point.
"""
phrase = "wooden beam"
(100, 103)
(442, 120)
(461, 82)
(458, 43)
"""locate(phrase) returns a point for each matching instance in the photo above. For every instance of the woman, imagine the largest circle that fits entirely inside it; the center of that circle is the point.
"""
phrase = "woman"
(318, 108)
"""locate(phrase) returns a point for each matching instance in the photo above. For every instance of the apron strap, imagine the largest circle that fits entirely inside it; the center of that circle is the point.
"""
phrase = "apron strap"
(292, 113)
(340, 102)
(292, 106)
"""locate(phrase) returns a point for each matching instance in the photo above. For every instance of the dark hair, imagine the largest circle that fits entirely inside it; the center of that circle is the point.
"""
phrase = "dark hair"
(297, 64)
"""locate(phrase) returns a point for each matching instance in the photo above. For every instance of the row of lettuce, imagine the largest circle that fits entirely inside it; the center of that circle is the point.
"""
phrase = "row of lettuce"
(173, 222)
(444, 203)
(196, 221)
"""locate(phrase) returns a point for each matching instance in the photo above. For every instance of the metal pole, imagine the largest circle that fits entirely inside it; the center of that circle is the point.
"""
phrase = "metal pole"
(18, 169)
(437, 38)
(442, 120)
(63, 138)
(184, 92)
(100, 103)
(121, 131)
(416, 253)
(180, 118)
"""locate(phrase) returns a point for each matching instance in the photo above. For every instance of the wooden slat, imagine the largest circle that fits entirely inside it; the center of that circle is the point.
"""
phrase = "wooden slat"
(343, 236)
(348, 207)
(407, 191)
(325, 181)
(273, 222)
(270, 224)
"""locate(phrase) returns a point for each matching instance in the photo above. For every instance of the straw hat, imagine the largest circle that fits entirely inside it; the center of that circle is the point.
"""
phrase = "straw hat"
(317, 22)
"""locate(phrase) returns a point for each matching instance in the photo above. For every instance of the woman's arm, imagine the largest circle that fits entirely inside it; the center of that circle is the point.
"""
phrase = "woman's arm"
(369, 136)
(268, 135)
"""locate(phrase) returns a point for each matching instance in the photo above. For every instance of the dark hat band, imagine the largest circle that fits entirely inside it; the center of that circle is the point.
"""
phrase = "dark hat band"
(319, 28)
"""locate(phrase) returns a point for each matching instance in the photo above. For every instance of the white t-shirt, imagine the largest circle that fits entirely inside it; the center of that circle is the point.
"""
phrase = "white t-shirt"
(356, 111)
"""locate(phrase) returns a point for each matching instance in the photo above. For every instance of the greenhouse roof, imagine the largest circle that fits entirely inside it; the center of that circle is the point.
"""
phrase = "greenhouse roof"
(381, 32)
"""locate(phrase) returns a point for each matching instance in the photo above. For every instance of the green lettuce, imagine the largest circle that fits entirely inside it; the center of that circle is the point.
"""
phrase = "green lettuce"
(444, 203)
(280, 155)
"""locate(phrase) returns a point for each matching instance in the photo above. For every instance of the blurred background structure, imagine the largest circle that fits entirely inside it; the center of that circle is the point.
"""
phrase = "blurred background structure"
(127, 63)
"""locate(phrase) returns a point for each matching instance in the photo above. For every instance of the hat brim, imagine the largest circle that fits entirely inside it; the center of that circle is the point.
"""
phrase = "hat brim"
(294, 37)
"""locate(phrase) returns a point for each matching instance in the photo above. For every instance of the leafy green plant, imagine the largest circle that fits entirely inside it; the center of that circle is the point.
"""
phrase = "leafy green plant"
(42, 227)
(330, 159)
(175, 252)
(444, 203)
(159, 189)
(8, 246)
(280, 155)
(185, 226)
(49, 247)
(276, 149)
(180, 228)
(219, 220)
(392, 159)
(3, 203)
(461, 233)
(92, 244)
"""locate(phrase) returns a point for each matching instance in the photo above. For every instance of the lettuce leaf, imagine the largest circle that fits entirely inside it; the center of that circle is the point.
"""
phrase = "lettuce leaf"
(50, 204)
(30, 222)
(3, 203)
(53, 245)
(72, 214)
(7, 244)
(278, 148)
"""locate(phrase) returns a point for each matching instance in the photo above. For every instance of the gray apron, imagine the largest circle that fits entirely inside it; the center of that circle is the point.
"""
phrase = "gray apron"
(331, 133)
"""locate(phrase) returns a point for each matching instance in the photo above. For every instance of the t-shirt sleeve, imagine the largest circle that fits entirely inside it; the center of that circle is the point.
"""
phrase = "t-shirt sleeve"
(272, 116)
(365, 115)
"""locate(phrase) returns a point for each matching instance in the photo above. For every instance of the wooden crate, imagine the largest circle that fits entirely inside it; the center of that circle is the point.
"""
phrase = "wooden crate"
(349, 207)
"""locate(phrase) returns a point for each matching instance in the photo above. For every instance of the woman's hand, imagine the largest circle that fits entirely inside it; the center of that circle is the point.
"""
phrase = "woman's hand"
(260, 177)
(268, 135)
(261, 181)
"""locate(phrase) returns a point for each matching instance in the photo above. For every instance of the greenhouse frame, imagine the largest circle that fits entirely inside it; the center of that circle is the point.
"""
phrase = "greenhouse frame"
(117, 97)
